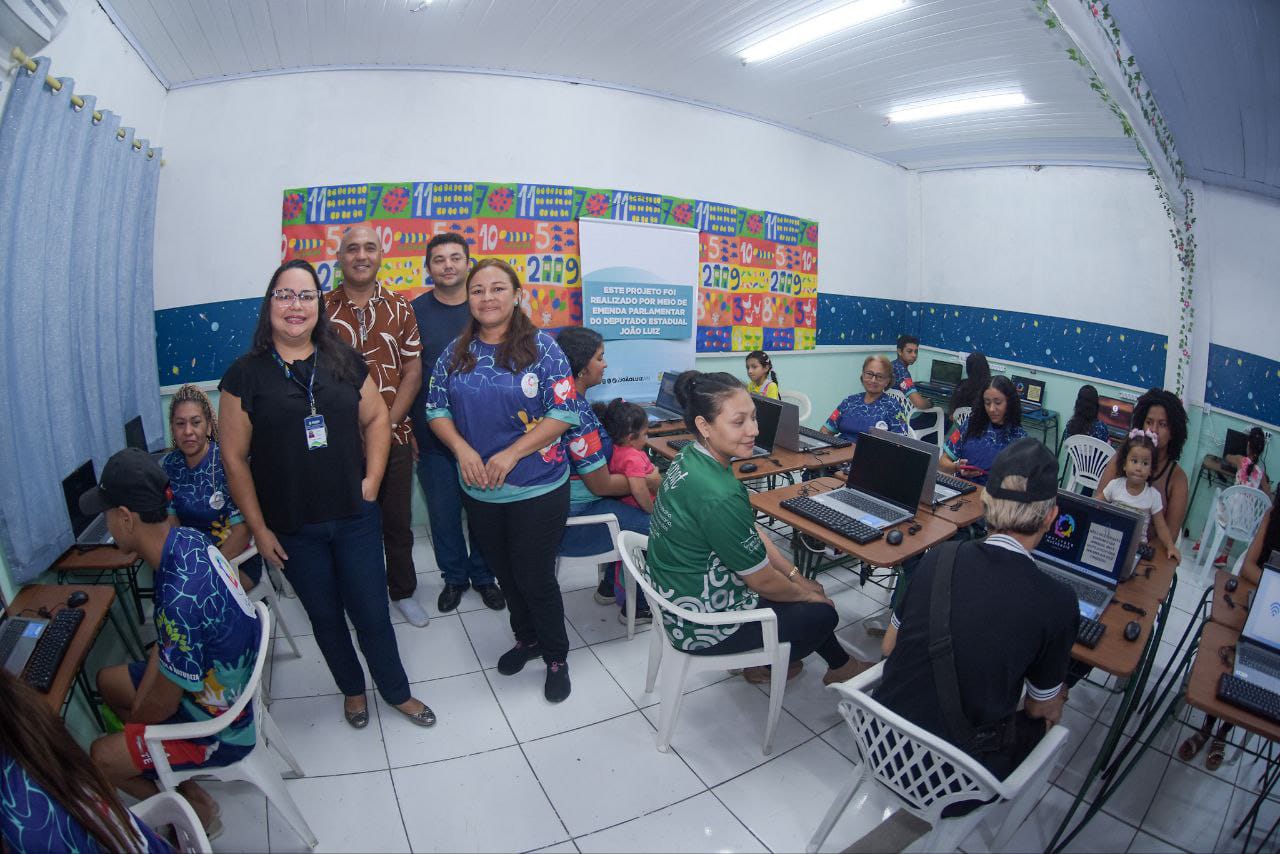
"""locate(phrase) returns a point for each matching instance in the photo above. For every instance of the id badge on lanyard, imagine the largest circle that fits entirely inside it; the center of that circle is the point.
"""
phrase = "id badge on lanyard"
(313, 424)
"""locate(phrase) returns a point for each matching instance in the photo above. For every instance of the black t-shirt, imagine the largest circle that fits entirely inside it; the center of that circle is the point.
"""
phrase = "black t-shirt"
(297, 486)
(1009, 622)
(438, 325)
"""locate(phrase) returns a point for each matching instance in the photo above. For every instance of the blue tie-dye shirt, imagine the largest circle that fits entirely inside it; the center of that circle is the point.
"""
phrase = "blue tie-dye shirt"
(854, 415)
(980, 451)
(32, 821)
(589, 447)
(207, 630)
(492, 407)
(201, 497)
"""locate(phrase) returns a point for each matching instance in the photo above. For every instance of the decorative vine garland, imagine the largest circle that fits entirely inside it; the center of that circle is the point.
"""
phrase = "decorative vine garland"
(1183, 239)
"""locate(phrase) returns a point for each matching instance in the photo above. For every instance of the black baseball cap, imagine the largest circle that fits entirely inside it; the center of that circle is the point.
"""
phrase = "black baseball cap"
(1027, 458)
(129, 479)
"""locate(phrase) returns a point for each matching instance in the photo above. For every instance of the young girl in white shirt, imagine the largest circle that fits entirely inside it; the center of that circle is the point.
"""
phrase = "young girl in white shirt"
(1137, 455)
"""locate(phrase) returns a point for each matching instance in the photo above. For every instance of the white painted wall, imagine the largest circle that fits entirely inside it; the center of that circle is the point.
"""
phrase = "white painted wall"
(231, 148)
(91, 50)
(1238, 266)
(1091, 244)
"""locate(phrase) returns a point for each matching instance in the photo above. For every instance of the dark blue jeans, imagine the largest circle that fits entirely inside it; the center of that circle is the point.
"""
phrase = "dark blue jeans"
(438, 475)
(583, 540)
(338, 566)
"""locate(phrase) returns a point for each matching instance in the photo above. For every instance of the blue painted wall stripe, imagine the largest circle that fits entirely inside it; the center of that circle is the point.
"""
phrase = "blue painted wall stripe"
(1243, 383)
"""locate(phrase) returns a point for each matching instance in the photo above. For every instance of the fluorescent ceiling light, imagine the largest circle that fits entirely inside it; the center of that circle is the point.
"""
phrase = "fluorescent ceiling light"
(958, 107)
(840, 18)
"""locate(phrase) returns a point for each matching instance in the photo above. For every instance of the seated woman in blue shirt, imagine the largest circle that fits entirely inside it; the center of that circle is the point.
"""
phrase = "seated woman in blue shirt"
(858, 413)
(1084, 420)
(501, 397)
(201, 497)
(974, 442)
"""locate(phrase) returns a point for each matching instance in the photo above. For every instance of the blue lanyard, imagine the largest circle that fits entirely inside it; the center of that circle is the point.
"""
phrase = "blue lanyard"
(311, 381)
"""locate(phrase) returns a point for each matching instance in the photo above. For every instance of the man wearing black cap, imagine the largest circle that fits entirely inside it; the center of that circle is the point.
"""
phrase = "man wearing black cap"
(1009, 624)
(207, 638)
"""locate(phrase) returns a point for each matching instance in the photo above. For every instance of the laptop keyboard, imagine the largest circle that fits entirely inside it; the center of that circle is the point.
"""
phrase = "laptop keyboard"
(1248, 696)
(9, 637)
(1089, 632)
(866, 504)
(829, 441)
(1256, 660)
(96, 533)
(833, 520)
(963, 487)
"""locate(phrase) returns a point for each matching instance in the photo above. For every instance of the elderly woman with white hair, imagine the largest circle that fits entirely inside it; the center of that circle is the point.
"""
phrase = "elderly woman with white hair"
(859, 413)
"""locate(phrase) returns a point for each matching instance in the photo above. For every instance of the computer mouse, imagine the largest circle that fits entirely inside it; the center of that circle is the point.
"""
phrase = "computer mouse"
(77, 598)
(1132, 629)
(894, 537)
(747, 468)
(1232, 584)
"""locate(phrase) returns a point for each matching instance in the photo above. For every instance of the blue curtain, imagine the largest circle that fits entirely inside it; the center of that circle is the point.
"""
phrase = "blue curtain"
(77, 334)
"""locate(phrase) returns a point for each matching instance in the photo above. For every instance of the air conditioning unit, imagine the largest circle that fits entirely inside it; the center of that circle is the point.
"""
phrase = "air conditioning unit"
(30, 24)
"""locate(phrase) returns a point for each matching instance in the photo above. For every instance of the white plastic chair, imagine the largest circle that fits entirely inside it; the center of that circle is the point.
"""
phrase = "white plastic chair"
(1087, 459)
(937, 428)
(170, 808)
(265, 591)
(961, 412)
(680, 664)
(257, 768)
(800, 399)
(598, 561)
(1236, 512)
(906, 767)
(897, 395)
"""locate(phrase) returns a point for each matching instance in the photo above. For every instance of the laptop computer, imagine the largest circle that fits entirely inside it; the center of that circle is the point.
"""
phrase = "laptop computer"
(18, 637)
(88, 530)
(666, 407)
(789, 434)
(1090, 548)
(1116, 414)
(768, 413)
(1031, 392)
(931, 492)
(1258, 649)
(1235, 443)
(885, 483)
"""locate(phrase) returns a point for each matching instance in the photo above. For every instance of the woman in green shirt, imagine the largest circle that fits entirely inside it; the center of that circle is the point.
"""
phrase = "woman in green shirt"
(706, 553)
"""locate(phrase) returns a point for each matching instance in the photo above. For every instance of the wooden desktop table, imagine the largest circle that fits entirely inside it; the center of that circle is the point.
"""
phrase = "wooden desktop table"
(667, 428)
(781, 461)
(110, 565)
(71, 671)
(1222, 613)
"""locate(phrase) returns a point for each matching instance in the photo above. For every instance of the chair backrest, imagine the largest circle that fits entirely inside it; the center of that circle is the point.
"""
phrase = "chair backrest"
(250, 551)
(610, 521)
(961, 412)
(1243, 508)
(801, 400)
(920, 770)
(897, 395)
(1088, 458)
(936, 426)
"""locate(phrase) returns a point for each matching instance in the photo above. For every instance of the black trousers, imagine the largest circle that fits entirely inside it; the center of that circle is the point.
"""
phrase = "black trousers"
(395, 498)
(519, 541)
(808, 626)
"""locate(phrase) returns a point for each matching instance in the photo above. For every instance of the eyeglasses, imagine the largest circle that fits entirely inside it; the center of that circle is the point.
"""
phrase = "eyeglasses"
(286, 295)
(870, 375)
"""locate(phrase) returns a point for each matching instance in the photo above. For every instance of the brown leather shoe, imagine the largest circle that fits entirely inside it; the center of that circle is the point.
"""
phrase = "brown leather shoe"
(760, 675)
(846, 671)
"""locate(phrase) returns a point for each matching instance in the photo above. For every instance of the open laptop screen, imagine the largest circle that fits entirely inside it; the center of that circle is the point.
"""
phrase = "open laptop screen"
(74, 485)
(1031, 391)
(134, 435)
(1091, 539)
(944, 373)
(1263, 625)
(1236, 443)
(768, 412)
(1115, 413)
(888, 470)
(667, 391)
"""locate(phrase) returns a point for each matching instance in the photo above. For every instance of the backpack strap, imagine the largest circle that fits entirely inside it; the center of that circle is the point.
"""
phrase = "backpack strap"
(941, 652)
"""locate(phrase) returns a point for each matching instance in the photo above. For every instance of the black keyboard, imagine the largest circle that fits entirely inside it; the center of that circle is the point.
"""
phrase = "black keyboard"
(828, 440)
(1248, 696)
(963, 487)
(1089, 632)
(850, 529)
(51, 648)
(677, 444)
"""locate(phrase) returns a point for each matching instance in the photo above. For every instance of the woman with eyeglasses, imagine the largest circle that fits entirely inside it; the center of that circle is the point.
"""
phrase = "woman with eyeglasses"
(859, 413)
(305, 438)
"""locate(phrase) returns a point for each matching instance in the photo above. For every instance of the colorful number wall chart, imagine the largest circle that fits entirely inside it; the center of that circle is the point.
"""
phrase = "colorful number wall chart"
(757, 276)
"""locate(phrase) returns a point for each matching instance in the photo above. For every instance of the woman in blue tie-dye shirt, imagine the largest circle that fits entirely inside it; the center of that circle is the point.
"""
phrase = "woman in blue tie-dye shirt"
(974, 442)
(501, 396)
(859, 413)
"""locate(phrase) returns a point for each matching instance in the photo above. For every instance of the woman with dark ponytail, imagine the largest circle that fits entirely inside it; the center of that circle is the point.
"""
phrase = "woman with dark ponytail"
(706, 553)
(1084, 420)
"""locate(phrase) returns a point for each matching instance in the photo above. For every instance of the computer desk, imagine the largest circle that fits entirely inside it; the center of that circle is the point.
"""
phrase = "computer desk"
(1045, 421)
(667, 428)
(961, 511)
(71, 671)
(109, 565)
(781, 461)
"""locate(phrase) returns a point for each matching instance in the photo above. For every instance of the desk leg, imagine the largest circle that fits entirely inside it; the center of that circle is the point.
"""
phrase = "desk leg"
(90, 699)
(1269, 778)
(124, 637)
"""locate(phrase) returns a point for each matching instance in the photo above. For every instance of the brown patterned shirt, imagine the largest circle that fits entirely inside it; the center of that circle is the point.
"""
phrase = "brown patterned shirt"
(385, 332)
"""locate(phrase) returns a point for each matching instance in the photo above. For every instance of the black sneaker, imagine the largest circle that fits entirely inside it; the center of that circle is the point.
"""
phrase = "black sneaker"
(513, 660)
(450, 596)
(604, 592)
(492, 596)
(557, 686)
(643, 616)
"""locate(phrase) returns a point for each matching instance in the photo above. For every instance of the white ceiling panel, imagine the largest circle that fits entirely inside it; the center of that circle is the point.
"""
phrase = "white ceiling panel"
(839, 89)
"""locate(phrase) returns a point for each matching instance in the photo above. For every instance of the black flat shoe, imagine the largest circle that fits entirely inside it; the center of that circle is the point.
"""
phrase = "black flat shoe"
(556, 688)
(492, 596)
(358, 720)
(450, 596)
(513, 660)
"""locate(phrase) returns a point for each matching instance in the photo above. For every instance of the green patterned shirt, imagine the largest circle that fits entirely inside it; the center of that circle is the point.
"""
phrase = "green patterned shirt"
(702, 542)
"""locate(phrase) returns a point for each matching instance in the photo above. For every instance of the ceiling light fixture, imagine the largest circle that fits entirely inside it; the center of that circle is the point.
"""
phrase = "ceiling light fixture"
(420, 5)
(959, 107)
(819, 26)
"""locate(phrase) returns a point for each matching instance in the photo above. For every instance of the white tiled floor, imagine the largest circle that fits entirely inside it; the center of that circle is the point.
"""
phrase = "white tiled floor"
(506, 771)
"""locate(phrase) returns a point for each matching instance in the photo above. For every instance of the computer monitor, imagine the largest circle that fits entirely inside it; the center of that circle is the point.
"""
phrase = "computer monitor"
(1115, 413)
(890, 471)
(1236, 443)
(945, 374)
(667, 392)
(1092, 538)
(1030, 391)
(934, 452)
(134, 435)
(1263, 623)
(74, 485)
